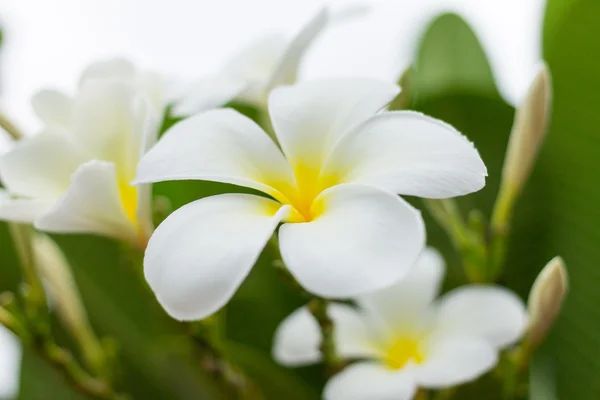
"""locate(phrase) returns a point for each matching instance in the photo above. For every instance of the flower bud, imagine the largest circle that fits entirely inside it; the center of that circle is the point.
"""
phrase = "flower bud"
(528, 132)
(54, 269)
(546, 298)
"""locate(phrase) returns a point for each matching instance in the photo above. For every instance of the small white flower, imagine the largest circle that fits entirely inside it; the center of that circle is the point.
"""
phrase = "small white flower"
(74, 176)
(405, 338)
(250, 75)
(333, 184)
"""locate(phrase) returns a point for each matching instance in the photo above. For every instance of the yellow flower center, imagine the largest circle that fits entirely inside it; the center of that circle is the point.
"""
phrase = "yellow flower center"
(129, 199)
(309, 185)
(402, 351)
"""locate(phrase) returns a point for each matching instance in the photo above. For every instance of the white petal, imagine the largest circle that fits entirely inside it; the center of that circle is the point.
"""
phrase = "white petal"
(370, 381)
(218, 145)
(364, 240)
(287, 68)
(309, 117)
(411, 154)
(115, 69)
(298, 338)
(10, 364)
(104, 120)
(405, 305)
(201, 253)
(92, 204)
(491, 312)
(206, 93)
(52, 107)
(41, 166)
(23, 210)
(255, 64)
(455, 360)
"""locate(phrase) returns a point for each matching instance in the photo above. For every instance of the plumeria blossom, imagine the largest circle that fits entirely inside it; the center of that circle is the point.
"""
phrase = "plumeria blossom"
(333, 183)
(249, 76)
(74, 176)
(404, 338)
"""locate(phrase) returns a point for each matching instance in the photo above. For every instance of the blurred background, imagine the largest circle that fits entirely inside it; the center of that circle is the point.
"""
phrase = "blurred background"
(470, 70)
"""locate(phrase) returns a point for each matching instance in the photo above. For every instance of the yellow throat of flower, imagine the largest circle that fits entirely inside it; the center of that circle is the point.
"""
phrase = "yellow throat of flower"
(402, 351)
(302, 197)
(129, 199)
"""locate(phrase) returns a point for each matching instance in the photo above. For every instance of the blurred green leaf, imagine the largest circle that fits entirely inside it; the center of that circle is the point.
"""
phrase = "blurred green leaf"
(276, 382)
(449, 60)
(565, 194)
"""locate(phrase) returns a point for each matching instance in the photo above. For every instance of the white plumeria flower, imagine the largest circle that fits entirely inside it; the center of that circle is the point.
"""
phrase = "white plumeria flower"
(333, 184)
(74, 176)
(250, 75)
(405, 338)
(10, 364)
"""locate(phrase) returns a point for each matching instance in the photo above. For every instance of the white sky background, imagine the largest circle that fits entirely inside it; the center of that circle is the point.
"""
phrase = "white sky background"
(48, 42)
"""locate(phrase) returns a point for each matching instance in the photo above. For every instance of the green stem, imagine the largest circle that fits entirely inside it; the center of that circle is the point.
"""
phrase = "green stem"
(36, 296)
(10, 128)
(331, 359)
(470, 245)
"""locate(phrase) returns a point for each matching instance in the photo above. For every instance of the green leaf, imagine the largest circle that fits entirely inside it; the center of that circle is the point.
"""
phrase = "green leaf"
(276, 382)
(562, 201)
(450, 59)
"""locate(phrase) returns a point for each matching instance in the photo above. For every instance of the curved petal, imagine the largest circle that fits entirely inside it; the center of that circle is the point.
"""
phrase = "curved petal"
(371, 381)
(363, 240)
(404, 306)
(409, 153)
(92, 204)
(116, 68)
(201, 253)
(52, 107)
(218, 145)
(10, 364)
(206, 93)
(309, 117)
(298, 337)
(490, 312)
(41, 166)
(287, 68)
(455, 360)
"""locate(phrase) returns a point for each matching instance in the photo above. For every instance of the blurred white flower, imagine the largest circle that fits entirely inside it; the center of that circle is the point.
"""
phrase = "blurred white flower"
(74, 176)
(10, 364)
(405, 338)
(334, 185)
(249, 76)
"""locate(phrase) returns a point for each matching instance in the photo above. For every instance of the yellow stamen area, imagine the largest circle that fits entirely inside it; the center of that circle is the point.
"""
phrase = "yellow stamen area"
(402, 351)
(309, 185)
(129, 199)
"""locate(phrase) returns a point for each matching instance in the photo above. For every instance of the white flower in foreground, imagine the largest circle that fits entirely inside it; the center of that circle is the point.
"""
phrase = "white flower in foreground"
(334, 186)
(249, 76)
(405, 338)
(75, 175)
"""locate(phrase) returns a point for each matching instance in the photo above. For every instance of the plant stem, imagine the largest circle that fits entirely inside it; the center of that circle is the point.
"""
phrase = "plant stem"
(318, 308)
(10, 128)
(36, 296)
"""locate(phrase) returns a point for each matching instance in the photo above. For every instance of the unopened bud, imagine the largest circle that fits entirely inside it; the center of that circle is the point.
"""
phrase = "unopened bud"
(545, 299)
(528, 132)
(54, 269)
